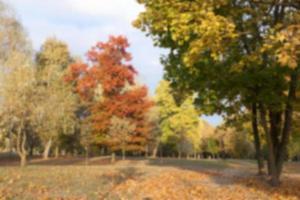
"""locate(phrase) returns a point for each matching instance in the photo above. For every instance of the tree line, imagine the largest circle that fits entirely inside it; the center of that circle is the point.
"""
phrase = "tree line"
(55, 104)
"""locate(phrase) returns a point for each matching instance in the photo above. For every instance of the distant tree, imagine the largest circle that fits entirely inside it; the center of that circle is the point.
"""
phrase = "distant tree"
(108, 88)
(121, 132)
(185, 126)
(210, 144)
(155, 131)
(17, 82)
(237, 143)
(178, 124)
(17, 105)
(55, 112)
(167, 107)
(57, 102)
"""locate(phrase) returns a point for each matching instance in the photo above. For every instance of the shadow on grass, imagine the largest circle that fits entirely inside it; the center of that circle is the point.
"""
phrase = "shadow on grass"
(65, 161)
(235, 173)
(289, 188)
(13, 161)
(195, 165)
(117, 178)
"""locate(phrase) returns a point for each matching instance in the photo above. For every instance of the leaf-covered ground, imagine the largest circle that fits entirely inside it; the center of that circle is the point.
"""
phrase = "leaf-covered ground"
(143, 179)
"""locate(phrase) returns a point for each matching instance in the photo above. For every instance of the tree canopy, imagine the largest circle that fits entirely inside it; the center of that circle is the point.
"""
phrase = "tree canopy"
(235, 55)
(109, 88)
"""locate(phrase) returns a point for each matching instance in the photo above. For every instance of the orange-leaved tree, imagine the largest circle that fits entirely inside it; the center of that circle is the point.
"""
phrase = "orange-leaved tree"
(107, 85)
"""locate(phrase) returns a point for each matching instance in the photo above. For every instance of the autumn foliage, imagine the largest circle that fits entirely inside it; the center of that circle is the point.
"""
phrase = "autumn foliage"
(107, 84)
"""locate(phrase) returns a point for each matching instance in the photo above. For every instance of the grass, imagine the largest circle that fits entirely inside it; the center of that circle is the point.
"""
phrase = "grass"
(69, 178)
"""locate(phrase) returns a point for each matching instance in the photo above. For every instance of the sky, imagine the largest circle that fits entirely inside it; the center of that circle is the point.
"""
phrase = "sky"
(82, 23)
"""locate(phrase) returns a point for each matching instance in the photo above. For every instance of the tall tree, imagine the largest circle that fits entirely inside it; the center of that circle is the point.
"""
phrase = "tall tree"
(235, 54)
(185, 126)
(17, 81)
(57, 102)
(178, 123)
(109, 89)
(17, 107)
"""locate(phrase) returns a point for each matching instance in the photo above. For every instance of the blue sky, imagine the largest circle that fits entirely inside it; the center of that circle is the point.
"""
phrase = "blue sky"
(81, 23)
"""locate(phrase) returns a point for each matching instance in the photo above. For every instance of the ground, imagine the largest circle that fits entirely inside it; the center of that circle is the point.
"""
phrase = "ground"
(71, 178)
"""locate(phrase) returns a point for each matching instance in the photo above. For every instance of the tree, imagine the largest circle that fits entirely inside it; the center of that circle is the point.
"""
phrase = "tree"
(17, 81)
(108, 88)
(185, 126)
(236, 55)
(57, 102)
(55, 112)
(209, 140)
(120, 134)
(17, 107)
(178, 124)
(153, 119)
(237, 143)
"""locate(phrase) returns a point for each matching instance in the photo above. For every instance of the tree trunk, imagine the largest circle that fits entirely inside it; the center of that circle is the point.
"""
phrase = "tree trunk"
(155, 150)
(113, 157)
(123, 153)
(23, 160)
(102, 152)
(179, 154)
(86, 155)
(257, 144)
(47, 149)
(31, 148)
(56, 152)
(269, 167)
(287, 126)
(21, 145)
(271, 156)
(146, 151)
(160, 154)
(277, 139)
(10, 143)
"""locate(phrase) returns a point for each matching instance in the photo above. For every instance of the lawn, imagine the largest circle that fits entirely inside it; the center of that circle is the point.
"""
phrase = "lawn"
(70, 178)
